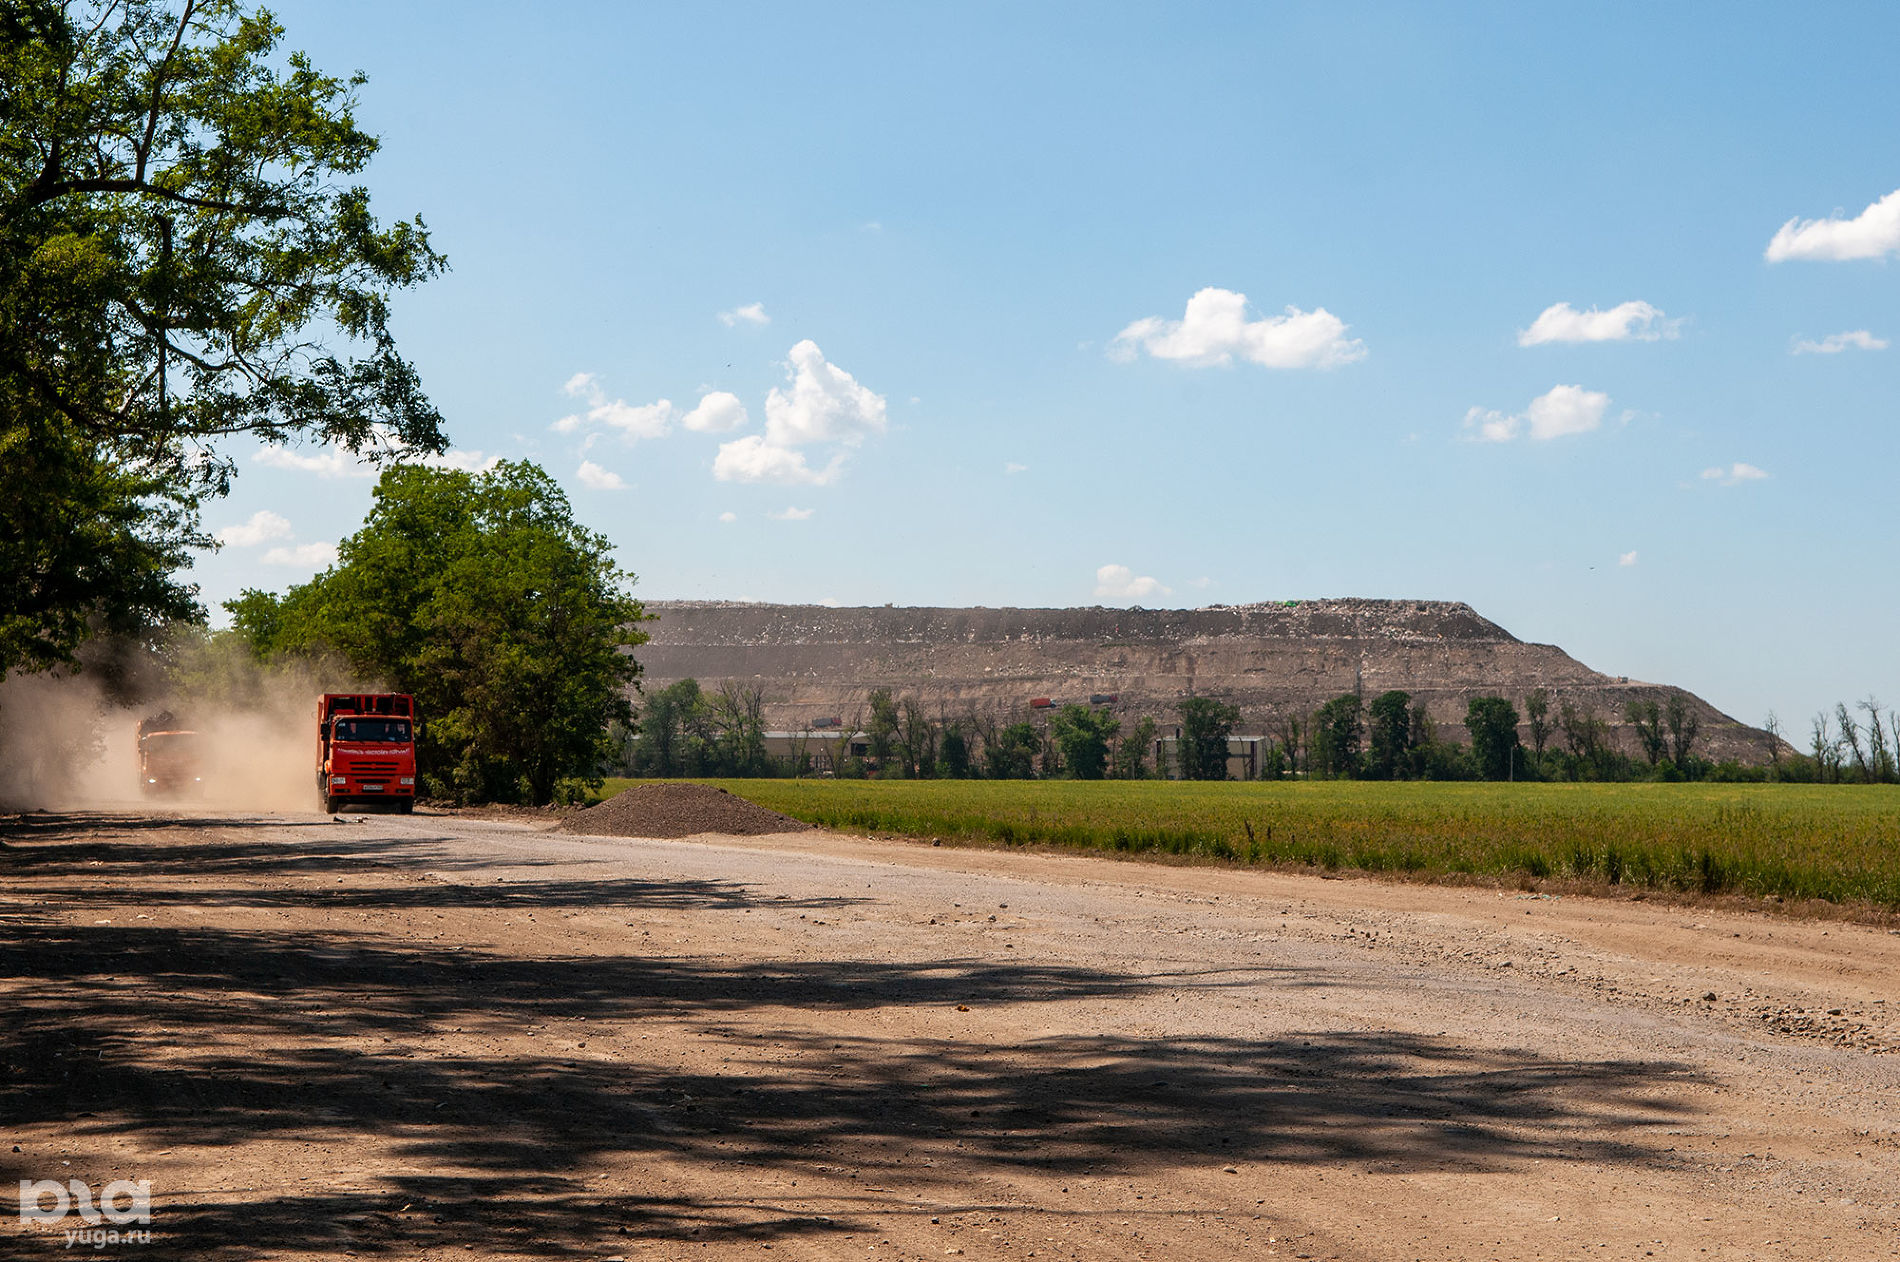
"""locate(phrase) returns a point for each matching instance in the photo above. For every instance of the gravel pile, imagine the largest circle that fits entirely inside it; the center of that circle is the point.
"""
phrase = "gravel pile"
(678, 810)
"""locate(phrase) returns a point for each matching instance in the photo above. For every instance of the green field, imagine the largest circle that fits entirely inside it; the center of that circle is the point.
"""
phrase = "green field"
(1838, 843)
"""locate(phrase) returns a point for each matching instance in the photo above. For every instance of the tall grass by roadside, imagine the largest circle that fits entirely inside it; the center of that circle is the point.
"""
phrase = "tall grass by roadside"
(1837, 843)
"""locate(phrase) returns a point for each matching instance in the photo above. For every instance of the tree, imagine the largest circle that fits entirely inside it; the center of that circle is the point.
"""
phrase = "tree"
(1292, 734)
(1492, 723)
(1683, 724)
(182, 259)
(1391, 735)
(1010, 754)
(1332, 741)
(1083, 736)
(480, 594)
(667, 724)
(917, 739)
(953, 752)
(1131, 752)
(880, 734)
(1206, 725)
(1647, 718)
(738, 715)
(1537, 717)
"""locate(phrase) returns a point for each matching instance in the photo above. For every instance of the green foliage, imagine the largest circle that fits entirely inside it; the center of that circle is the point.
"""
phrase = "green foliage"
(480, 594)
(1786, 841)
(1206, 725)
(1645, 718)
(1011, 755)
(1131, 753)
(953, 753)
(1334, 736)
(182, 258)
(1492, 723)
(1391, 730)
(1083, 736)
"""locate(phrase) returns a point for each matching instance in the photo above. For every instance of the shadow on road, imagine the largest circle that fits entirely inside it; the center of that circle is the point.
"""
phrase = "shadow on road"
(115, 1029)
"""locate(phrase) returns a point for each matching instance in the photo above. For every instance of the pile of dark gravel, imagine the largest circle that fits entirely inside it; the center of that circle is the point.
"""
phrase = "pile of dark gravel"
(678, 810)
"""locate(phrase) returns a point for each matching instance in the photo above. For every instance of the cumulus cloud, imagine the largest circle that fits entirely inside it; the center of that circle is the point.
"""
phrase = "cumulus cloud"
(793, 514)
(595, 478)
(263, 525)
(1559, 411)
(1735, 474)
(643, 420)
(1215, 328)
(1627, 558)
(1873, 233)
(718, 412)
(465, 461)
(751, 313)
(1011, 467)
(821, 403)
(753, 459)
(1835, 343)
(313, 556)
(330, 462)
(1118, 582)
(728, 517)
(1625, 322)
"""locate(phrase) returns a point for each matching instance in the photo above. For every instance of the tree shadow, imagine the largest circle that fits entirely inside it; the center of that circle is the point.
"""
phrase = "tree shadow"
(117, 1030)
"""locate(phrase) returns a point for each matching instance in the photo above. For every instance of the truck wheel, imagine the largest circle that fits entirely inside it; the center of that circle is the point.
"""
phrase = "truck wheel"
(406, 806)
(329, 804)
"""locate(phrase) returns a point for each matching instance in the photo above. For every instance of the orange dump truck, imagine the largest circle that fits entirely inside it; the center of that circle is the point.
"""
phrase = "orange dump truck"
(366, 749)
(169, 764)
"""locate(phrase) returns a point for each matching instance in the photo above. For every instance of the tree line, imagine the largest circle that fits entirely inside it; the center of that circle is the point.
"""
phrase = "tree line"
(685, 730)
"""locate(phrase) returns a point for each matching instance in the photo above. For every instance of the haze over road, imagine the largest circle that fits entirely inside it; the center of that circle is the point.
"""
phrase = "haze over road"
(449, 1036)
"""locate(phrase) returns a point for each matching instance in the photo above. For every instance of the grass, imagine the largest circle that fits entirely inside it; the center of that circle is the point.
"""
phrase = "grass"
(1840, 844)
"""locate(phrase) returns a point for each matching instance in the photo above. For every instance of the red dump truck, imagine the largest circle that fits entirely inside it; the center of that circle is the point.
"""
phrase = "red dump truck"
(366, 749)
(169, 764)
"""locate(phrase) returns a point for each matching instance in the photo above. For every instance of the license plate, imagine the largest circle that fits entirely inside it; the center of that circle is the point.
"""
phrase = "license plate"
(372, 788)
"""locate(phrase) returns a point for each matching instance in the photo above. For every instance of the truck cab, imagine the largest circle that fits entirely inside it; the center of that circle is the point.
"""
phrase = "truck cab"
(366, 749)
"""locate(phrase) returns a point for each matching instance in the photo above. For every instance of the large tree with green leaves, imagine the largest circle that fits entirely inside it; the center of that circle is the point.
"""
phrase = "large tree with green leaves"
(1492, 723)
(480, 594)
(183, 258)
(1206, 725)
(1083, 736)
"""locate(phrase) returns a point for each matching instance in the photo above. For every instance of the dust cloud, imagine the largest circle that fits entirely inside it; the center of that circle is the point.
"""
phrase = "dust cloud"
(69, 741)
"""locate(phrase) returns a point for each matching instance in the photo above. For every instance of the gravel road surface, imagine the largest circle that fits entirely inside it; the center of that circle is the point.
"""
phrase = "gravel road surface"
(449, 1037)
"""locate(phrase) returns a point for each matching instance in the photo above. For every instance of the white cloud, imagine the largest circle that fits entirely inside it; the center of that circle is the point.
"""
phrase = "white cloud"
(595, 478)
(333, 462)
(1627, 558)
(830, 602)
(1626, 322)
(1011, 467)
(728, 517)
(824, 404)
(465, 461)
(793, 514)
(643, 420)
(751, 313)
(1835, 343)
(1215, 328)
(314, 556)
(1735, 474)
(1872, 234)
(1559, 411)
(1118, 582)
(717, 413)
(263, 525)
(753, 459)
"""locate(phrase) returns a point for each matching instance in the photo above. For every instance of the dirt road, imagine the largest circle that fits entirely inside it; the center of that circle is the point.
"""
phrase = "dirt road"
(439, 1037)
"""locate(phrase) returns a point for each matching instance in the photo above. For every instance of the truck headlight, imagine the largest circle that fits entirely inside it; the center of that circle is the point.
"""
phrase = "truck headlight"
(338, 779)
(410, 780)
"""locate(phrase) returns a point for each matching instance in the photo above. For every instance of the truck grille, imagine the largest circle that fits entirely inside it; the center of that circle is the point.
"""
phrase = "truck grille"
(372, 767)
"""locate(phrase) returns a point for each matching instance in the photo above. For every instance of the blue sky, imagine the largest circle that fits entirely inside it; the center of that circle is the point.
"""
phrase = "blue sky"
(1511, 330)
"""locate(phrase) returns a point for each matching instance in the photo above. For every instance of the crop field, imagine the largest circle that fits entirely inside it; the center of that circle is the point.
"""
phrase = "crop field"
(1837, 843)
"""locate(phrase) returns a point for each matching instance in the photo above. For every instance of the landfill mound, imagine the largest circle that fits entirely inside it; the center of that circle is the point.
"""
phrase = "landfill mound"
(678, 810)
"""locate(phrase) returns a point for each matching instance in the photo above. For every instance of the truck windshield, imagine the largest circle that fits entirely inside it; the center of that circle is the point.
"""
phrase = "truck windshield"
(366, 731)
